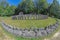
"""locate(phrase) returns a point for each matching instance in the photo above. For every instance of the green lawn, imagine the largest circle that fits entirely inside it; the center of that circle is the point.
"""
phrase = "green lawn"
(25, 23)
(30, 23)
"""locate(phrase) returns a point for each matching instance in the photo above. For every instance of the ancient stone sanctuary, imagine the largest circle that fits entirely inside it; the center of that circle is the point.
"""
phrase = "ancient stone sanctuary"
(30, 16)
(29, 33)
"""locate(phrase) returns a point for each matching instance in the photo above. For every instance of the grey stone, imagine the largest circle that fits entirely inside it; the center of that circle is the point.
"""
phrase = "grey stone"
(33, 32)
(49, 31)
(41, 33)
(56, 25)
(22, 16)
(19, 17)
(17, 32)
(52, 27)
(14, 17)
(27, 33)
(21, 13)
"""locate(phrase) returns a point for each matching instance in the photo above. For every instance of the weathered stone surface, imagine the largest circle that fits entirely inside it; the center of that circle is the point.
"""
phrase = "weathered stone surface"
(19, 17)
(49, 31)
(32, 32)
(21, 13)
(14, 17)
(27, 33)
(56, 25)
(22, 16)
(41, 32)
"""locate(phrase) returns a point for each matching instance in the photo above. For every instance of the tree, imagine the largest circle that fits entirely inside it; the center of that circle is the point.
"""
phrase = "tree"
(29, 6)
(21, 7)
(9, 11)
(5, 9)
(26, 6)
(54, 8)
(40, 5)
(3, 6)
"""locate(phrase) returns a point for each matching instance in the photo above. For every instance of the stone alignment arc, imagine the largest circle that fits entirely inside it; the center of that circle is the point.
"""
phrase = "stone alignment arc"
(29, 17)
(38, 32)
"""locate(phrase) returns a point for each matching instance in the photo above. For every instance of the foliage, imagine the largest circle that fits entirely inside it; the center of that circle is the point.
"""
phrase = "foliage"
(31, 6)
(41, 5)
(54, 9)
(5, 9)
(28, 6)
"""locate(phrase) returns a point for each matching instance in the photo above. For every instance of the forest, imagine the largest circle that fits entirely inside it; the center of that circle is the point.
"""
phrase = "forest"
(31, 6)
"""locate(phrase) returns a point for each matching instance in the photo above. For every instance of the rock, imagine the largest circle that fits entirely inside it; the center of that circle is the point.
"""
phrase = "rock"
(22, 16)
(10, 30)
(41, 33)
(17, 32)
(14, 17)
(21, 13)
(32, 32)
(49, 31)
(19, 17)
(52, 27)
(56, 25)
(27, 33)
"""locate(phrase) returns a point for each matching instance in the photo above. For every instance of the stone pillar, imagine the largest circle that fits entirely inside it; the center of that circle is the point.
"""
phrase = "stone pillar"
(23, 17)
(14, 17)
(36, 17)
(30, 17)
(19, 17)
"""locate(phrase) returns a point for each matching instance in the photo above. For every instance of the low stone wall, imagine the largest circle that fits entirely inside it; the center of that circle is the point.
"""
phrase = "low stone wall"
(29, 33)
(29, 17)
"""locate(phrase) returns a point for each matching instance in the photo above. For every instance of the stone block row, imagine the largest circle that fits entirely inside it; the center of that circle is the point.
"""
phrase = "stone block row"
(29, 17)
(35, 32)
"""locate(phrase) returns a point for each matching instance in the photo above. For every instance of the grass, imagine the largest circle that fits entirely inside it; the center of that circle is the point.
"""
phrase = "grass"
(29, 23)
(18, 23)
(3, 35)
(20, 38)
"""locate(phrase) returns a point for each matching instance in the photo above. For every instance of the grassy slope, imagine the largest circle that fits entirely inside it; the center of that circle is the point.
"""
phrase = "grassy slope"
(30, 23)
(4, 36)
(9, 36)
